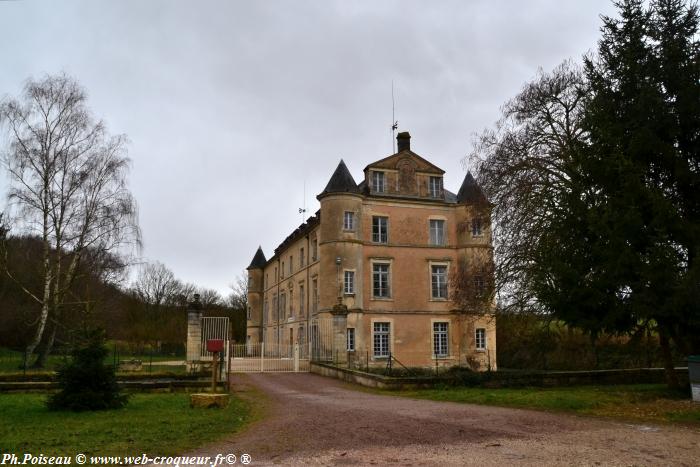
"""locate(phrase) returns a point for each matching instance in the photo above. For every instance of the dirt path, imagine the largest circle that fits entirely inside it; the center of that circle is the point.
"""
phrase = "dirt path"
(319, 421)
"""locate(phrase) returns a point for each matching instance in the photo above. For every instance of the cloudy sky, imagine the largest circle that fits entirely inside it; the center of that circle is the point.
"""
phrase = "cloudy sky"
(232, 107)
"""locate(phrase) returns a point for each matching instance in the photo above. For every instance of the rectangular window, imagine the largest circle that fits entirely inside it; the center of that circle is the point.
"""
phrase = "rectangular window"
(291, 302)
(301, 300)
(378, 182)
(380, 233)
(437, 232)
(314, 295)
(266, 311)
(276, 276)
(381, 340)
(275, 307)
(249, 313)
(480, 339)
(282, 271)
(314, 250)
(440, 346)
(291, 264)
(438, 276)
(301, 258)
(350, 340)
(349, 282)
(380, 280)
(349, 220)
(476, 227)
(283, 307)
(436, 187)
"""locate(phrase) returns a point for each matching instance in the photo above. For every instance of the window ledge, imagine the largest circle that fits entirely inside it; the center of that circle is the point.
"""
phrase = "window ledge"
(382, 299)
(481, 350)
(349, 294)
(439, 300)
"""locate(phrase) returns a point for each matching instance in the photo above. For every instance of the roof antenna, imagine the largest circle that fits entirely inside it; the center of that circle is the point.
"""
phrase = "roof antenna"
(394, 122)
(302, 210)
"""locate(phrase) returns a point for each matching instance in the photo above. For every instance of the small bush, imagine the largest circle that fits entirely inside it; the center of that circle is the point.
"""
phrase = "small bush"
(85, 382)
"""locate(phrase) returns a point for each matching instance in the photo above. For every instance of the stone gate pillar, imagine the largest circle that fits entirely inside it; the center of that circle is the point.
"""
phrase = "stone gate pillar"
(194, 333)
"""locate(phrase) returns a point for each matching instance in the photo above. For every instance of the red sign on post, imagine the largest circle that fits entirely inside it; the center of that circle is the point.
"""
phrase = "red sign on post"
(215, 345)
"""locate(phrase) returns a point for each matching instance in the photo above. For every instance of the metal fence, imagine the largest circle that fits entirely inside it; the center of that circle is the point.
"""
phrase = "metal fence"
(266, 357)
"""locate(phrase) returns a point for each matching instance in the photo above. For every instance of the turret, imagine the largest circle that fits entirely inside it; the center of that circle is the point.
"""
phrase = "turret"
(255, 297)
(341, 230)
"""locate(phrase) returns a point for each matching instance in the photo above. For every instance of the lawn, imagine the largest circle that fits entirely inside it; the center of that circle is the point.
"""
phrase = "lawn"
(640, 403)
(154, 424)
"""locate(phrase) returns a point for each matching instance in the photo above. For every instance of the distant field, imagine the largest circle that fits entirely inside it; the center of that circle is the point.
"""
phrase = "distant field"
(641, 402)
(11, 361)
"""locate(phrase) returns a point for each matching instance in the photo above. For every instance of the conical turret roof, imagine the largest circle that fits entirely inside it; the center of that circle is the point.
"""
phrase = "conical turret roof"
(470, 192)
(341, 181)
(259, 260)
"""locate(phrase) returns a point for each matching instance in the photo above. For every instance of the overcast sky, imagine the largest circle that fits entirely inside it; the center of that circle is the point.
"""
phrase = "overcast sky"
(231, 106)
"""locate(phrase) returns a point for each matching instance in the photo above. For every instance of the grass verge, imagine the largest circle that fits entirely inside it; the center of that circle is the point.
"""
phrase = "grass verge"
(154, 424)
(639, 402)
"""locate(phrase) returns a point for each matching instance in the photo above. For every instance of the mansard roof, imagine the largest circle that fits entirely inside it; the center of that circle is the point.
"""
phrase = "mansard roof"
(259, 260)
(341, 181)
(470, 192)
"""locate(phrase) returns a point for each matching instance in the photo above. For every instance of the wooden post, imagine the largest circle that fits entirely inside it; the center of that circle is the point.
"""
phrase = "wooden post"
(228, 368)
(214, 367)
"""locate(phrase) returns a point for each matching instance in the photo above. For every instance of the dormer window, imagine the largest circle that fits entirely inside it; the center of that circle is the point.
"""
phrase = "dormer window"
(436, 187)
(378, 182)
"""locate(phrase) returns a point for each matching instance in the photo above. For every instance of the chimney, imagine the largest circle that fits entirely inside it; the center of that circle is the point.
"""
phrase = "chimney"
(403, 141)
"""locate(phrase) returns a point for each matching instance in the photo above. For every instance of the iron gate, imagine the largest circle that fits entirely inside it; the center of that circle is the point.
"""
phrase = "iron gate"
(274, 357)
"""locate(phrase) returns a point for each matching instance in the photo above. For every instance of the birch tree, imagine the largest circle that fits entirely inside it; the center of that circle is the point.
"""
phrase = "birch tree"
(67, 187)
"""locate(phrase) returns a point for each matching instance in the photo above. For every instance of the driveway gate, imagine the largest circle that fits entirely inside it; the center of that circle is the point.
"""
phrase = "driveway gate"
(273, 357)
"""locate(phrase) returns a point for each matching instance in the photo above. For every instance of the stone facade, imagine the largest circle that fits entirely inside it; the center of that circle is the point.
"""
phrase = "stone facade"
(380, 260)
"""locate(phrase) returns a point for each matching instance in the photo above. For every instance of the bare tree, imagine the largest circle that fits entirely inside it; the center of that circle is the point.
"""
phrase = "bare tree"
(209, 298)
(157, 286)
(472, 284)
(68, 187)
(238, 298)
(523, 166)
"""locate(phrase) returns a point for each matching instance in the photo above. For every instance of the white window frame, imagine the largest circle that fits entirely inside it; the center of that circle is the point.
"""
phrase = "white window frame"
(435, 186)
(441, 339)
(382, 234)
(381, 339)
(349, 221)
(387, 295)
(349, 281)
(434, 275)
(437, 235)
(480, 340)
(378, 181)
(350, 340)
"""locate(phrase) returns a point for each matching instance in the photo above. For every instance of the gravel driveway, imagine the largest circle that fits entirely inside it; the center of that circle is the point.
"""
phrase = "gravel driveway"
(314, 420)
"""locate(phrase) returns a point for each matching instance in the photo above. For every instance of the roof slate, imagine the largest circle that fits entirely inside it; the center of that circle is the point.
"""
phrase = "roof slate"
(470, 191)
(259, 260)
(341, 181)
